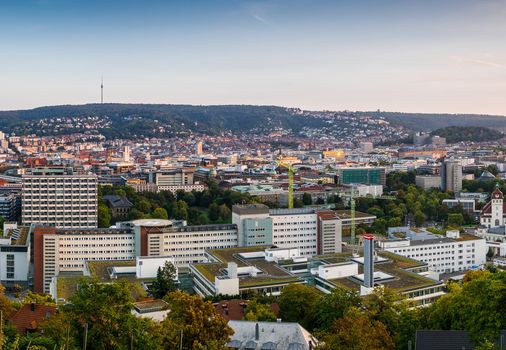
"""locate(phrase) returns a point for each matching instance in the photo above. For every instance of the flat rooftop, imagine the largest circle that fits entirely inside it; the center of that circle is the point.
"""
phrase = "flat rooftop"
(395, 266)
(271, 273)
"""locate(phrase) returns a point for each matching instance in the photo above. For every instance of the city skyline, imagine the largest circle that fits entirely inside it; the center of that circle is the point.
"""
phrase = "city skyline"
(404, 56)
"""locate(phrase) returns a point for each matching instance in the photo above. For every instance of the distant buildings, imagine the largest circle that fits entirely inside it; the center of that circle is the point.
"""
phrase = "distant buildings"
(362, 175)
(366, 147)
(427, 182)
(451, 176)
(426, 139)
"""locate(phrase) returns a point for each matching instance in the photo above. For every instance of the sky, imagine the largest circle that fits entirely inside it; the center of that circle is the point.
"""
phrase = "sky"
(393, 55)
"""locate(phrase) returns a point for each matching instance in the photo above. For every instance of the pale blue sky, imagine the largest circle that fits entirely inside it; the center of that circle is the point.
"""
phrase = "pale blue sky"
(397, 55)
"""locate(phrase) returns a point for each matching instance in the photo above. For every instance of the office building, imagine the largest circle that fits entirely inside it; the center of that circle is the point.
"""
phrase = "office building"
(186, 244)
(57, 197)
(468, 205)
(64, 251)
(9, 205)
(362, 175)
(427, 182)
(366, 147)
(451, 253)
(14, 255)
(172, 177)
(312, 231)
(451, 176)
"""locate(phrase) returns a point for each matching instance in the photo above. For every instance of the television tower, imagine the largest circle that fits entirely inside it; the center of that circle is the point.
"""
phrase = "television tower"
(102, 89)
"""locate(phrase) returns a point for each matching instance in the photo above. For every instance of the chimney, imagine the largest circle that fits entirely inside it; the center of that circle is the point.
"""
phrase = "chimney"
(257, 332)
(368, 260)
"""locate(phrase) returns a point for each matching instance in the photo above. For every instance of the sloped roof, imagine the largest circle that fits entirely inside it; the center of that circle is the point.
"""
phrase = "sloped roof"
(281, 334)
(30, 316)
(117, 201)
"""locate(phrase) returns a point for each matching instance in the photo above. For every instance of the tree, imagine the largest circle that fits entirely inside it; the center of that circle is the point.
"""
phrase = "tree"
(490, 253)
(165, 281)
(297, 303)
(297, 203)
(181, 210)
(135, 214)
(196, 322)
(259, 312)
(419, 218)
(455, 219)
(357, 331)
(224, 212)
(104, 215)
(105, 309)
(334, 305)
(307, 199)
(143, 205)
(476, 306)
(160, 213)
(40, 299)
(214, 213)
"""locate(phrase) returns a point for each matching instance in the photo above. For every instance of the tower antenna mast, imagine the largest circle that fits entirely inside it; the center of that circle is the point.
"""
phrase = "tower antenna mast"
(102, 89)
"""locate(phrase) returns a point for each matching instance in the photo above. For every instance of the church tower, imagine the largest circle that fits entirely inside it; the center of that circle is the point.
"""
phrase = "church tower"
(497, 217)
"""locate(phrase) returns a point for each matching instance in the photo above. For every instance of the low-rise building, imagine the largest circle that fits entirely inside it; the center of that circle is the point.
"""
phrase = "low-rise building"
(450, 253)
(255, 335)
(120, 206)
(236, 270)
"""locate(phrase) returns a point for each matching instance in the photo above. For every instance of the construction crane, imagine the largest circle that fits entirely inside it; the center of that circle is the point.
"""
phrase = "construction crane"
(355, 245)
(291, 171)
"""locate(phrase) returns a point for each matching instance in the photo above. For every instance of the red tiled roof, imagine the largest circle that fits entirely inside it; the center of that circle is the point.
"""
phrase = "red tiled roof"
(487, 209)
(30, 316)
(234, 309)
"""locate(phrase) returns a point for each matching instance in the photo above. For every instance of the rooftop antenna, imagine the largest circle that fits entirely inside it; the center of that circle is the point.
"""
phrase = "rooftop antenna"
(102, 89)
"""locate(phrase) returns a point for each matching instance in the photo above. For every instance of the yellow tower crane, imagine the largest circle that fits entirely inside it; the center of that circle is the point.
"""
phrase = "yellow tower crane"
(291, 171)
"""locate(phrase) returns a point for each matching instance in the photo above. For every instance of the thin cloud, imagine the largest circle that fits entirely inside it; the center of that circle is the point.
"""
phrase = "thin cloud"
(478, 62)
(259, 18)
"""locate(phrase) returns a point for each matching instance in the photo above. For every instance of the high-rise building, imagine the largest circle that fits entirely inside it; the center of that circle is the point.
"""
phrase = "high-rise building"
(57, 197)
(126, 154)
(451, 176)
(366, 147)
(199, 149)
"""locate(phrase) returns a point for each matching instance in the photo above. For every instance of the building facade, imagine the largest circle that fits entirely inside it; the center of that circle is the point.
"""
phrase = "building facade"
(452, 253)
(56, 197)
(58, 251)
(451, 176)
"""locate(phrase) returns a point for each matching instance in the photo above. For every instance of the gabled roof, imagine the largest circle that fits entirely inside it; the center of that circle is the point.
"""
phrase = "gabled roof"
(118, 201)
(30, 316)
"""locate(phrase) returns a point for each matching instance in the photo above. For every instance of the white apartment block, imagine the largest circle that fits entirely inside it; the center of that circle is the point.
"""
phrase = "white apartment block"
(59, 251)
(54, 197)
(455, 252)
(295, 228)
(186, 244)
